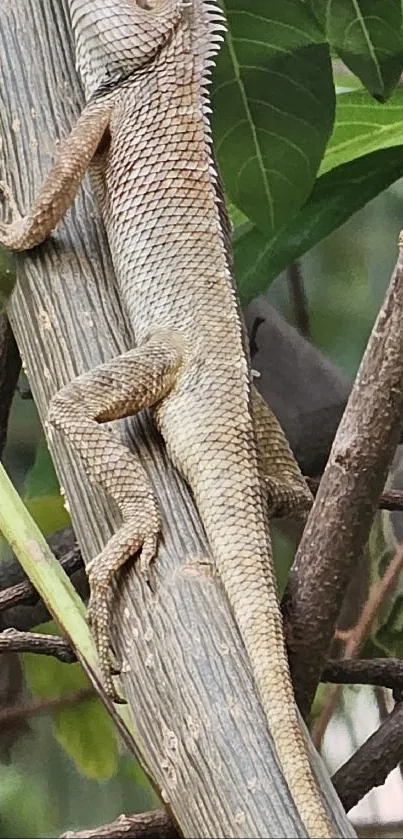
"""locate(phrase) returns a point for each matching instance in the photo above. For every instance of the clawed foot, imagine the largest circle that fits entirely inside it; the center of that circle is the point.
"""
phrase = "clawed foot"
(98, 619)
(100, 572)
(287, 501)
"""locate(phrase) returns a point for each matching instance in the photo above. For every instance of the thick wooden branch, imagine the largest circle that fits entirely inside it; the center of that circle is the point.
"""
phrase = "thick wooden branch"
(153, 825)
(348, 495)
(199, 724)
(382, 672)
(371, 764)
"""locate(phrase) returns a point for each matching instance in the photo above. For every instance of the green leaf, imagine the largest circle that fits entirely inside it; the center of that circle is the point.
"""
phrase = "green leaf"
(26, 808)
(363, 126)
(273, 107)
(368, 38)
(44, 571)
(41, 479)
(42, 495)
(336, 196)
(84, 729)
(344, 81)
(48, 512)
(86, 733)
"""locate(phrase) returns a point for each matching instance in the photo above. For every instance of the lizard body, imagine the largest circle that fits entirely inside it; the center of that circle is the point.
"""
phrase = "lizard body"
(145, 132)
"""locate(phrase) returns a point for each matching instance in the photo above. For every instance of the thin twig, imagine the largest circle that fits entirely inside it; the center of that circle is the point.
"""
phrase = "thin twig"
(253, 335)
(154, 825)
(357, 636)
(348, 496)
(11, 640)
(42, 706)
(382, 672)
(25, 592)
(299, 298)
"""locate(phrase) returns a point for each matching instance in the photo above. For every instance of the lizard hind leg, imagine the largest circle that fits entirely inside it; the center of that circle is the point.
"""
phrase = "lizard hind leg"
(119, 388)
(125, 543)
(287, 493)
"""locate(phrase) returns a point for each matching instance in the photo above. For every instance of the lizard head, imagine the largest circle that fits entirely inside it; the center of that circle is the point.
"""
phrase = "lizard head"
(116, 38)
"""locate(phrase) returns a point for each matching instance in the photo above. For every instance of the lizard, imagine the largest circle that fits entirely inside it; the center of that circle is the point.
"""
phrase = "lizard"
(145, 136)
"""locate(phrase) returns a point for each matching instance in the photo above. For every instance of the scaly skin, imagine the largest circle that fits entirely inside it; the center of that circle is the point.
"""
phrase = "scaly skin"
(146, 134)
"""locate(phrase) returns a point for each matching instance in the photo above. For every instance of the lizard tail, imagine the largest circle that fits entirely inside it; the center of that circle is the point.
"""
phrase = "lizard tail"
(219, 459)
(250, 588)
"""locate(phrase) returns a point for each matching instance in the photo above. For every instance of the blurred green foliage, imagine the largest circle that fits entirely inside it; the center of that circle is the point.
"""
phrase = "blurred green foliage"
(86, 730)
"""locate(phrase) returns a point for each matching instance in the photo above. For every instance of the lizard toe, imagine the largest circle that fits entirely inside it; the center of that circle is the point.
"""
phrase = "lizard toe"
(98, 620)
(146, 559)
(115, 665)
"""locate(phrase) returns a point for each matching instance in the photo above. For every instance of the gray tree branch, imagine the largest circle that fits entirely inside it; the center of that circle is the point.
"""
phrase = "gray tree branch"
(153, 825)
(348, 495)
(371, 764)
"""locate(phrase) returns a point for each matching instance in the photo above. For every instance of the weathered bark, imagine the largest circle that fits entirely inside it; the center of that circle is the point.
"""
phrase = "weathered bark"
(340, 519)
(199, 724)
(153, 825)
(370, 766)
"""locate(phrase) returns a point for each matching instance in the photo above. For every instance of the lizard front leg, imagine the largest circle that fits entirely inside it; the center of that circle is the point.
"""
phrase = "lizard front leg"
(287, 492)
(119, 388)
(60, 187)
(149, 32)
